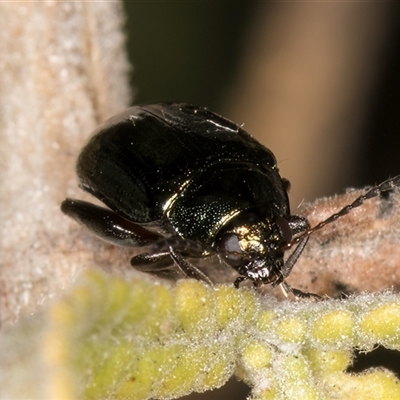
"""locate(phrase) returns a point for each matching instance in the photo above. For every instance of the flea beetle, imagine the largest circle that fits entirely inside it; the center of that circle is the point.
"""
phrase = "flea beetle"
(188, 183)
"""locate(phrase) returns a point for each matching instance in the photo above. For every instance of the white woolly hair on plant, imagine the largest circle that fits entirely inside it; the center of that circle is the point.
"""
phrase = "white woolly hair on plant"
(63, 69)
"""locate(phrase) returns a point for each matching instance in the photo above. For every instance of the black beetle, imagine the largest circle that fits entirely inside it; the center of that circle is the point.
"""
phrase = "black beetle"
(192, 184)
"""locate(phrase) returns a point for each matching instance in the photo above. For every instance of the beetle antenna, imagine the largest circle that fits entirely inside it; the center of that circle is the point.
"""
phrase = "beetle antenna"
(389, 184)
(187, 268)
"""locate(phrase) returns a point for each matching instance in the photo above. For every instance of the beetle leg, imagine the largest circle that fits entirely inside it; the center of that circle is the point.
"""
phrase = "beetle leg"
(146, 262)
(188, 269)
(160, 265)
(108, 225)
(189, 247)
(292, 259)
(299, 294)
(239, 280)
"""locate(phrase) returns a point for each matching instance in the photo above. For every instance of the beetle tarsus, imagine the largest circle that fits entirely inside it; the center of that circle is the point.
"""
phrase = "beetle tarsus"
(239, 280)
(298, 294)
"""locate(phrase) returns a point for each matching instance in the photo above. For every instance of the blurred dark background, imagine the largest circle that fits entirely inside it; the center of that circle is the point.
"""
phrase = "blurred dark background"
(317, 83)
(186, 50)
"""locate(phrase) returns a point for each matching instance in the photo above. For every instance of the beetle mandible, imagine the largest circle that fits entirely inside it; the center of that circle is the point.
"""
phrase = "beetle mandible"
(188, 183)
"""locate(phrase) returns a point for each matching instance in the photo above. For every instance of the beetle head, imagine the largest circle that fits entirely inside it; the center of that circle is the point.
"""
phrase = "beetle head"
(255, 248)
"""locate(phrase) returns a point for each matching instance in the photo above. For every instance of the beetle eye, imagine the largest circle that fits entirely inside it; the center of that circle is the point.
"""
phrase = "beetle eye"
(230, 247)
(230, 243)
(284, 229)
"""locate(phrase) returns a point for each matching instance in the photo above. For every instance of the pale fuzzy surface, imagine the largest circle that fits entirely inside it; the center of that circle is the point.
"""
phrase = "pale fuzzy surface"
(63, 69)
(357, 253)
